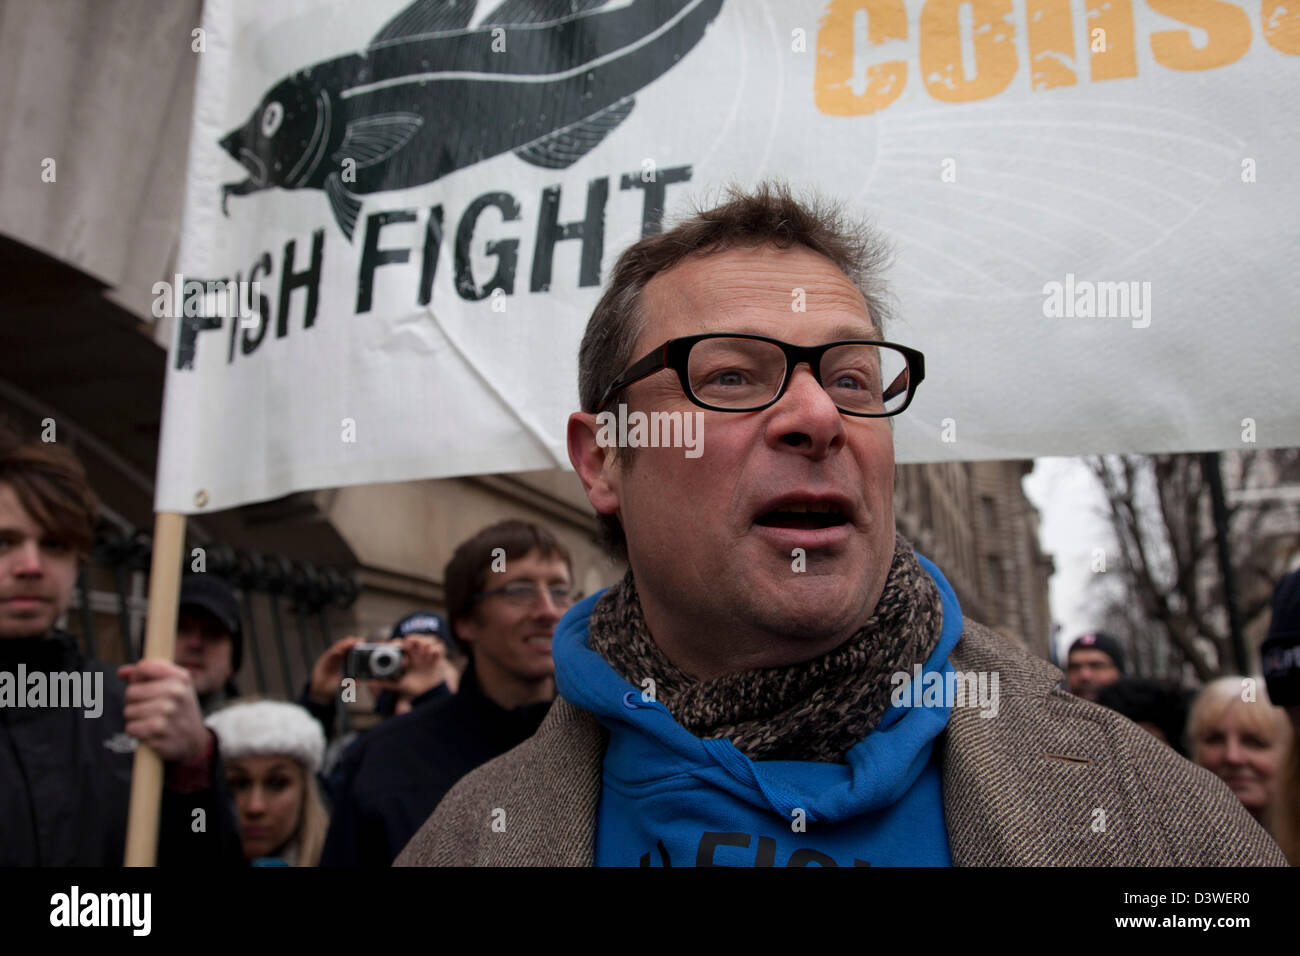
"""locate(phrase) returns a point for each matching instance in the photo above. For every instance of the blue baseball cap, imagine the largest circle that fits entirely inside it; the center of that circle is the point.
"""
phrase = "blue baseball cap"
(425, 622)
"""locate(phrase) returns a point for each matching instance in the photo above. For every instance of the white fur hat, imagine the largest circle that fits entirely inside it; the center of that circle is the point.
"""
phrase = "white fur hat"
(263, 728)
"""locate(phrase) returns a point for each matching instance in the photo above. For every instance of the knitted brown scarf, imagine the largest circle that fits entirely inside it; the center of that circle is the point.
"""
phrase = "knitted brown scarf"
(813, 711)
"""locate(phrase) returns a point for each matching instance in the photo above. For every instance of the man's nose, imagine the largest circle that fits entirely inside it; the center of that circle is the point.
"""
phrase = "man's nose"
(547, 608)
(28, 559)
(806, 417)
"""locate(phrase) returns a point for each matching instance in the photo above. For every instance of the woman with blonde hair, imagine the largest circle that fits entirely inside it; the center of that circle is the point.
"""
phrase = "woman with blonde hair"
(272, 752)
(1237, 734)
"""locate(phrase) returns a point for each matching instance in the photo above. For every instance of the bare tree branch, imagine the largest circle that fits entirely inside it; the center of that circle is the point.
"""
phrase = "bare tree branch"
(1171, 599)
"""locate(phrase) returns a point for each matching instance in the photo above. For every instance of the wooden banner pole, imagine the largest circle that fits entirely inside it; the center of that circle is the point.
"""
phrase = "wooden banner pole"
(159, 643)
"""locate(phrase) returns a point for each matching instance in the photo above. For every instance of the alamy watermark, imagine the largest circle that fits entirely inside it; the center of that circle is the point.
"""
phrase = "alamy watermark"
(653, 430)
(210, 299)
(80, 690)
(1073, 299)
(951, 689)
(75, 908)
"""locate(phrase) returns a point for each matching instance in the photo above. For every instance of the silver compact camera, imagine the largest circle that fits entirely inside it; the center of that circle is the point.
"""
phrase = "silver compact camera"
(375, 662)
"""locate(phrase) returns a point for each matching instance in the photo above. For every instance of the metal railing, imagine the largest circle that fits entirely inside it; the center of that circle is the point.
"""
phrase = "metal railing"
(306, 591)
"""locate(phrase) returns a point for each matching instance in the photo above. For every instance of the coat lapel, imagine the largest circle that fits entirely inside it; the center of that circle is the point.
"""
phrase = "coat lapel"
(549, 806)
(1032, 785)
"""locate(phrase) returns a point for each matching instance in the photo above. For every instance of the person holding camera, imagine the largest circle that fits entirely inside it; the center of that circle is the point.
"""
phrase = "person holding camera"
(507, 588)
(419, 664)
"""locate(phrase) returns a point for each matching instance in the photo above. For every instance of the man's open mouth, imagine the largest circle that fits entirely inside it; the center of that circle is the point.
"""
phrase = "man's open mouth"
(804, 517)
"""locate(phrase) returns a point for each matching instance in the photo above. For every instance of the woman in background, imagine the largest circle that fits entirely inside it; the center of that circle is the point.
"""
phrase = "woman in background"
(1237, 734)
(272, 752)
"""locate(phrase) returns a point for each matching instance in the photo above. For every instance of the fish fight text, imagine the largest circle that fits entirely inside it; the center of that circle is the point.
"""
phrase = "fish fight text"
(302, 263)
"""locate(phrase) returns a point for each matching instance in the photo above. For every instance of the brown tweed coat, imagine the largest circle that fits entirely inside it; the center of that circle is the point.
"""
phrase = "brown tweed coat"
(1019, 789)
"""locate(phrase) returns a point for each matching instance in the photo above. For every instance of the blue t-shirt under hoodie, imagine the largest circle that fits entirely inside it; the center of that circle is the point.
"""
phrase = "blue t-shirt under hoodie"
(669, 798)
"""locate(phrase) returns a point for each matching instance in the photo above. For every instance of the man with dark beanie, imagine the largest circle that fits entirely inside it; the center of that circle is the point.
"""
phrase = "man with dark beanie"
(209, 639)
(780, 679)
(1096, 660)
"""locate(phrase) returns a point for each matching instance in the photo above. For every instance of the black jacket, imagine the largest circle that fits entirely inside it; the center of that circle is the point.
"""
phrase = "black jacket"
(394, 777)
(327, 714)
(65, 778)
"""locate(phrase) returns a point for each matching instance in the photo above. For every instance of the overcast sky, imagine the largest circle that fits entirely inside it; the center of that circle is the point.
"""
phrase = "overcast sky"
(1070, 525)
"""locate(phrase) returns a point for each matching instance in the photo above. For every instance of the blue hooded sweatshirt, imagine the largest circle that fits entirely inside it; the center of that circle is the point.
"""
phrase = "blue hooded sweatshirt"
(669, 798)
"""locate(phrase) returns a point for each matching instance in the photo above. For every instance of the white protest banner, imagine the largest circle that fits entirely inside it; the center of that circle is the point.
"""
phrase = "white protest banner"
(1094, 206)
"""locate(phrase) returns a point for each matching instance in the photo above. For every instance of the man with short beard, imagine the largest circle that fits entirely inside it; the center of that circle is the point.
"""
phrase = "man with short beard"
(736, 700)
(65, 772)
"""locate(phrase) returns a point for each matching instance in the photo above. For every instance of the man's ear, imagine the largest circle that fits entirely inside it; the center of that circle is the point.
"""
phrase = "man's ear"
(595, 465)
(465, 630)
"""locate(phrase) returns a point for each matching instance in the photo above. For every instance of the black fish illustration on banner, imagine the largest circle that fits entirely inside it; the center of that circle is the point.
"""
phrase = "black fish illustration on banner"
(430, 95)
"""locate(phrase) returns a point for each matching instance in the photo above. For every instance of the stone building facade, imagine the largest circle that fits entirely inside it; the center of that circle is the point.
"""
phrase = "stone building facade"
(975, 522)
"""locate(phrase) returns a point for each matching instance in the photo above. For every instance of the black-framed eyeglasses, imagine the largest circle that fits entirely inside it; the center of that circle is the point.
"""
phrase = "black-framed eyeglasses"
(737, 372)
(526, 593)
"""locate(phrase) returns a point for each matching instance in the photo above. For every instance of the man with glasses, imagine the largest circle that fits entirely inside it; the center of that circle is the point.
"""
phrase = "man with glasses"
(780, 679)
(506, 588)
